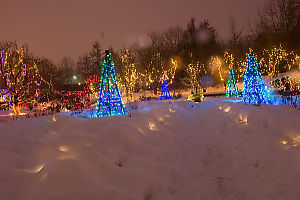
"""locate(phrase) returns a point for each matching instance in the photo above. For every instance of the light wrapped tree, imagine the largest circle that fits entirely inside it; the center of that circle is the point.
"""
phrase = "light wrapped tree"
(110, 102)
(194, 70)
(130, 75)
(19, 78)
(255, 90)
(232, 89)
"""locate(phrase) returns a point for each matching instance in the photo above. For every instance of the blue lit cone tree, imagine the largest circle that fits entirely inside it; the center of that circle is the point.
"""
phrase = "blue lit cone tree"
(255, 90)
(232, 89)
(165, 93)
(109, 99)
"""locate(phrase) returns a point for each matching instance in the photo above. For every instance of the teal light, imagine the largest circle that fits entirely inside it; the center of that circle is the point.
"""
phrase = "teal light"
(232, 89)
(109, 99)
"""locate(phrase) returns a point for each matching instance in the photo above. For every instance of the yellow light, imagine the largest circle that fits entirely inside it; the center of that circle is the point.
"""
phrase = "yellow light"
(284, 142)
(243, 119)
(152, 126)
(227, 109)
(37, 169)
(63, 148)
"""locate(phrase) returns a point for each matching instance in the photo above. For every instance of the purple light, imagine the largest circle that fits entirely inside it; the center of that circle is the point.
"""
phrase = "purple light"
(41, 80)
(7, 80)
(2, 52)
(25, 69)
(36, 92)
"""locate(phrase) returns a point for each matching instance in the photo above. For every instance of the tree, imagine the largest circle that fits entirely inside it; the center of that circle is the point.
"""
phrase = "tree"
(110, 102)
(49, 72)
(66, 68)
(255, 90)
(129, 73)
(165, 93)
(90, 62)
(279, 23)
(153, 71)
(193, 71)
(19, 77)
(232, 89)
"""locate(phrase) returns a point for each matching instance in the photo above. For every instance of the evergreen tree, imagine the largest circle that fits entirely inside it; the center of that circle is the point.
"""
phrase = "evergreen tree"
(232, 89)
(165, 93)
(109, 102)
(255, 90)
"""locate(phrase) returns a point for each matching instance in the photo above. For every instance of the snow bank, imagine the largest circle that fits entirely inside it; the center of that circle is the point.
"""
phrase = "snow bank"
(164, 151)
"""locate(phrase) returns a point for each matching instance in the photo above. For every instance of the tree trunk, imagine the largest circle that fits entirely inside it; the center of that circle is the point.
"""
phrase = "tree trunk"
(15, 105)
(16, 109)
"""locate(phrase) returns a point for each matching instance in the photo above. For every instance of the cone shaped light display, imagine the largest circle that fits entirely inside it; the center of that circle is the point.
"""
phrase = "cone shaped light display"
(109, 99)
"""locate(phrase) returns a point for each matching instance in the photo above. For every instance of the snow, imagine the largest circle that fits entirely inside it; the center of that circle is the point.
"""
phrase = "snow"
(168, 150)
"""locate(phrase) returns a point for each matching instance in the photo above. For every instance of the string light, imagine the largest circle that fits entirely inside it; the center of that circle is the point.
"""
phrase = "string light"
(238, 66)
(130, 74)
(22, 80)
(75, 100)
(109, 102)
(216, 65)
(155, 71)
(92, 84)
(255, 90)
(277, 60)
(232, 89)
(193, 71)
(165, 93)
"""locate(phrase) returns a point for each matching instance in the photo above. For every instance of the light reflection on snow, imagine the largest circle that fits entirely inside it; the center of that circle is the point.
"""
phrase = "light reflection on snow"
(227, 109)
(152, 126)
(44, 176)
(161, 119)
(63, 148)
(294, 141)
(141, 130)
(88, 144)
(172, 110)
(284, 142)
(243, 119)
(37, 169)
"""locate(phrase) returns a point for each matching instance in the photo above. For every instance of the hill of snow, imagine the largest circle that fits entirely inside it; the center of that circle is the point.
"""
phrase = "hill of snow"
(171, 150)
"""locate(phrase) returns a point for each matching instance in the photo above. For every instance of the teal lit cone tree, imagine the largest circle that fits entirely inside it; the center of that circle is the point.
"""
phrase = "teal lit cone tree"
(109, 101)
(255, 90)
(232, 89)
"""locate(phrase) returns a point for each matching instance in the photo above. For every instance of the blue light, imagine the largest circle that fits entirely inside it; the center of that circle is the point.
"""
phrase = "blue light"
(255, 90)
(109, 99)
(165, 93)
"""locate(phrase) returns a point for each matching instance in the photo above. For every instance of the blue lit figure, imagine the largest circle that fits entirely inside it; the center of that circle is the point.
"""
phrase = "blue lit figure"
(109, 99)
(232, 89)
(165, 93)
(255, 90)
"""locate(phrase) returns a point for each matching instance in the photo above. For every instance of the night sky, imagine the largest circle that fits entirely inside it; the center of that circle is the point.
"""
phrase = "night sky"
(57, 28)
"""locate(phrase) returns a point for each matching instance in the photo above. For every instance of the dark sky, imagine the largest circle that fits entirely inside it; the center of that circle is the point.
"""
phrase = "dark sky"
(57, 28)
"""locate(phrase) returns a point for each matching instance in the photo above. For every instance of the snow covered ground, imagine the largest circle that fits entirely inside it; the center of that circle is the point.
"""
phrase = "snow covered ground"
(215, 150)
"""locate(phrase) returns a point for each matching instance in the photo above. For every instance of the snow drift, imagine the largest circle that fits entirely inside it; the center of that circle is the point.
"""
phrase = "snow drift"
(164, 151)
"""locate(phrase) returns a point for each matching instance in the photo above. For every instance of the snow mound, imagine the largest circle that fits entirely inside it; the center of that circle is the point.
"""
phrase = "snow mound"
(166, 150)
